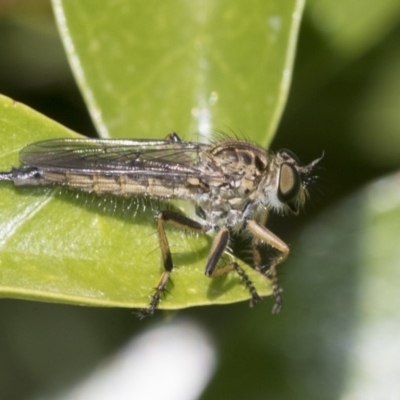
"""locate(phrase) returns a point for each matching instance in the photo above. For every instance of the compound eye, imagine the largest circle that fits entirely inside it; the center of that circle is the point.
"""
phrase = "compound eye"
(287, 155)
(289, 183)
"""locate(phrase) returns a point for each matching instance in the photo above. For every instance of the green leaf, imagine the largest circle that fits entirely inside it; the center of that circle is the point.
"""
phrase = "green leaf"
(75, 248)
(194, 67)
(191, 68)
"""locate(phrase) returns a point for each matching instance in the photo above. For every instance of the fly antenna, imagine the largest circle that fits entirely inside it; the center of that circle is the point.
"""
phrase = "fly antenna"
(308, 168)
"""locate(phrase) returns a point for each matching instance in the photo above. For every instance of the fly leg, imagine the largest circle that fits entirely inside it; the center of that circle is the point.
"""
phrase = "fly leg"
(218, 248)
(263, 235)
(181, 222)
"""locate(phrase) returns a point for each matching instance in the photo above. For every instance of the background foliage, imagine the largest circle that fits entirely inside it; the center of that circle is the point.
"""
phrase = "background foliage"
(341, 317)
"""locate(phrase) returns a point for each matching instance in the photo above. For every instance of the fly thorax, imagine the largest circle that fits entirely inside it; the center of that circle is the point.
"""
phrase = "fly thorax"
(234, 218)
(230, 219)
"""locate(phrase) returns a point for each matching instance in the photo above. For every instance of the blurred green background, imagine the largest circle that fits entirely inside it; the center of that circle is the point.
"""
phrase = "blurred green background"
(337, 336)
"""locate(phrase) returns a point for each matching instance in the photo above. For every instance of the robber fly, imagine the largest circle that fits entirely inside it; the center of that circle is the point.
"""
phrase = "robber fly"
(232, 184)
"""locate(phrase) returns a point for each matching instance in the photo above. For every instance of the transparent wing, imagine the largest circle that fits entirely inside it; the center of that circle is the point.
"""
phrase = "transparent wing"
(149, 157)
